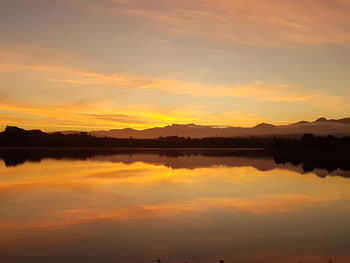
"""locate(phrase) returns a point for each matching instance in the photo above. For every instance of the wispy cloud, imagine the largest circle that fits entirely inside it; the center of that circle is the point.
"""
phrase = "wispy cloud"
(257, 90)
(255, 22)
(88, 99)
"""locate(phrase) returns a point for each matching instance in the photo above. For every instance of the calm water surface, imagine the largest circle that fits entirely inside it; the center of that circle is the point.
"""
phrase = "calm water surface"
(144, 207)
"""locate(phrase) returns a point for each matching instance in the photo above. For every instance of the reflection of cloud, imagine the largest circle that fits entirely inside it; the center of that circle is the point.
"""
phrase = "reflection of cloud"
(258, 205)
(120, 174)
(94, 191)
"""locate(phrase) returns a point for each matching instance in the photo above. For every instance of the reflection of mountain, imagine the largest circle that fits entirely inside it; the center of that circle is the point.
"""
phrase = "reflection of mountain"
(322, 163)
(321, 126)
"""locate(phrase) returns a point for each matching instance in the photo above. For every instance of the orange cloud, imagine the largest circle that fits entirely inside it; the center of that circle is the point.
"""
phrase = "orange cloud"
(254, 22)
(256, 90)
(108, 111)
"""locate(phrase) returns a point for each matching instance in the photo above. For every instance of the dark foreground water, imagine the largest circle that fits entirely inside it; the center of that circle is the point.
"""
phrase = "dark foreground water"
(176, 206)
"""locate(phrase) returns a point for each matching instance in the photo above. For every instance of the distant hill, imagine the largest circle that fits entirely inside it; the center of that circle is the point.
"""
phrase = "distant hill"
(321, 126)
(16, 137)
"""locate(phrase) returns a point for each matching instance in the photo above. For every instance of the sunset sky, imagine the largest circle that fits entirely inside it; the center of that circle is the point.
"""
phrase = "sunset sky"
(103, 64)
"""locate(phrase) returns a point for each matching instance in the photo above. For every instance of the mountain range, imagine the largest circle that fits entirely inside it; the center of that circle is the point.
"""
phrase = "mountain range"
(321, 126)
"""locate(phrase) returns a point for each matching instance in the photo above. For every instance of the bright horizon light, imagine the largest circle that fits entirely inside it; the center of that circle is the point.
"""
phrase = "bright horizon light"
(91, 65)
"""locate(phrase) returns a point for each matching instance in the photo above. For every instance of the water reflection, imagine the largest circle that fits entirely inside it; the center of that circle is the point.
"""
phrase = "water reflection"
(321, 163)
(194, 207)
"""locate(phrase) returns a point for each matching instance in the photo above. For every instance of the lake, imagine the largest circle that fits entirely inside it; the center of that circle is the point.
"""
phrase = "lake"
(174, 205)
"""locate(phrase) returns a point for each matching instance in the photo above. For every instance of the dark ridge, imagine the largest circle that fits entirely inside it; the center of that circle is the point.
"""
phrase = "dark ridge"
(344, 120)
(321, 119)
(336, 127)
(14, 136)
(264, 126)
(301, 122)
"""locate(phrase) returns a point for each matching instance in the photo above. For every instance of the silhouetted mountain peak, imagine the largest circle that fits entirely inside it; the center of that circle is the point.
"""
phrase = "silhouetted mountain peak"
(13, 129)
(264, 126)
(321, 119)
(321, 126)
(301, 122)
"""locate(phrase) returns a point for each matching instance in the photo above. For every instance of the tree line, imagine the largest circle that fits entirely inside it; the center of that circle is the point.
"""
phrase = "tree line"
(14, 136)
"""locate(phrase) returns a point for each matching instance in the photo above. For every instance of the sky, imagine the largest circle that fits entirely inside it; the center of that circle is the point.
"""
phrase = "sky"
(105, 64)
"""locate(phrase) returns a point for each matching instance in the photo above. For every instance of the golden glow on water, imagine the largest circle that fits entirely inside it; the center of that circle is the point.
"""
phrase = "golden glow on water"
(191, 191)
(67, 195)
